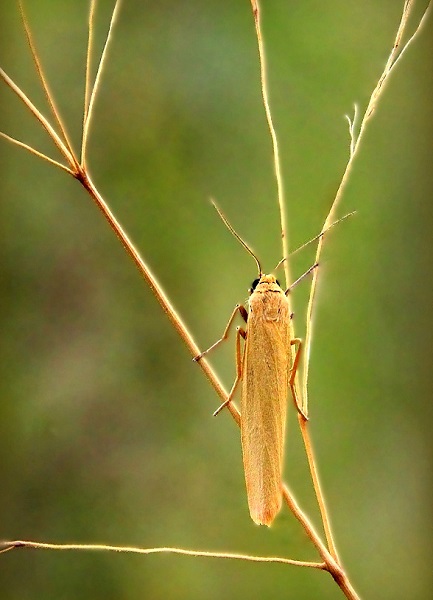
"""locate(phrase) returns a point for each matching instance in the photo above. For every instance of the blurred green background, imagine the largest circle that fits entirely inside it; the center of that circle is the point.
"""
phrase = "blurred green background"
(105, 423)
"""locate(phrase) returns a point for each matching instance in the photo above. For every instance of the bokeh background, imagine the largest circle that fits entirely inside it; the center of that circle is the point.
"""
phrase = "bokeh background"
(106, 431)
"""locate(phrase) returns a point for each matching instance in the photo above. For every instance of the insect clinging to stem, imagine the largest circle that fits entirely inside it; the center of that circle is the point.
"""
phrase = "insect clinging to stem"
(266, 370)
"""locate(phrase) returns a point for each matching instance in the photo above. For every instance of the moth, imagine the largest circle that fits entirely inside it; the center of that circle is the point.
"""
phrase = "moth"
(266, 371)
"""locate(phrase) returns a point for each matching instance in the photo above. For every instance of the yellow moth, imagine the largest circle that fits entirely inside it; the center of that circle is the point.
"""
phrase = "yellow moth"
(266, 371)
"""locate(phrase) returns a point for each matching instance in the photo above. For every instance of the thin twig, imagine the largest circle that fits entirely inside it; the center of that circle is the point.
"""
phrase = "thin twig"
(414, 35)
(332, 566)
(7, 546)
(88, 118)
(40, 117)
(352, 128)
(48, 94)
(277, 166)
(194, 350)
(305, 431)
(374, 98)
(282, 207)
(354, 146)
(35, 152)
(87, 89)
(157, 290)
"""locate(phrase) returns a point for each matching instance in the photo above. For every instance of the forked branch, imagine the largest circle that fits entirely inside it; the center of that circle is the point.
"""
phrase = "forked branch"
(355, 140)
(89, 99)
(78, 170)
(47, 92)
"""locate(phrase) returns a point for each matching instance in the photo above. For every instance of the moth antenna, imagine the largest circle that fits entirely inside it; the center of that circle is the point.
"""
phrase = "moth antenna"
(319, 235)
(237, 236)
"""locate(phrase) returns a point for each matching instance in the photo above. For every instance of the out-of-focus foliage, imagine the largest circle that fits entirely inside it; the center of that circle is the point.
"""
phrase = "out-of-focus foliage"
(105, 423)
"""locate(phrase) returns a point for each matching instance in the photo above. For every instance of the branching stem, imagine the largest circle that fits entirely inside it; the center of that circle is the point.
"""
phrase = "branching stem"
(355, 141)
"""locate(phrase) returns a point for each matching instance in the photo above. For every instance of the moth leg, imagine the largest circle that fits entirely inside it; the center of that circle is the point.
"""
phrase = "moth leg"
(292, 375)
(238, 308)
(239, 333)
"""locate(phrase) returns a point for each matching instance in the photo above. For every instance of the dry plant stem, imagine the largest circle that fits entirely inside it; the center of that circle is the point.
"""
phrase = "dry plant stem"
(81, 174)
(88, 88)
(6, 546)
(169, 310)
(157, 290)
(355, 141)
(354, 147)
(331, 565)
(304, 427)
(265, 96)
(40, 117)
(89, 112)
(36, 152)
(282, 209)
(45, 87)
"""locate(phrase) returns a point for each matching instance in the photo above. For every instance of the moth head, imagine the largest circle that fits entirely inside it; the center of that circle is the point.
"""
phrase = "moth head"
(262, 278)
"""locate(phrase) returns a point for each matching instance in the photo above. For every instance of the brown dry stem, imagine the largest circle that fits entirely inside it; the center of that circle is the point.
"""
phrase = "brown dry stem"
(355, 140)
(79, 171)
(275, 148)
(6, 546)
(282, 208)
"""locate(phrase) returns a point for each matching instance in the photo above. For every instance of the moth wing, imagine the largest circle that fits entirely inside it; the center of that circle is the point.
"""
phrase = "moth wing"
(263, 406)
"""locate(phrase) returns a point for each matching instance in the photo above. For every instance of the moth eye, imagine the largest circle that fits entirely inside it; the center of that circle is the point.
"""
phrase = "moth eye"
(254, 285)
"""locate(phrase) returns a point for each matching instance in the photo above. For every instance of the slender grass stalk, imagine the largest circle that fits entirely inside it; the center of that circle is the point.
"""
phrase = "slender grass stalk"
(7, 546)
(40, 117)
(355, 140)
(275, 148)
(36, 152)
(49, 96)
(88, 69)
(285, 248)
(88, 113)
